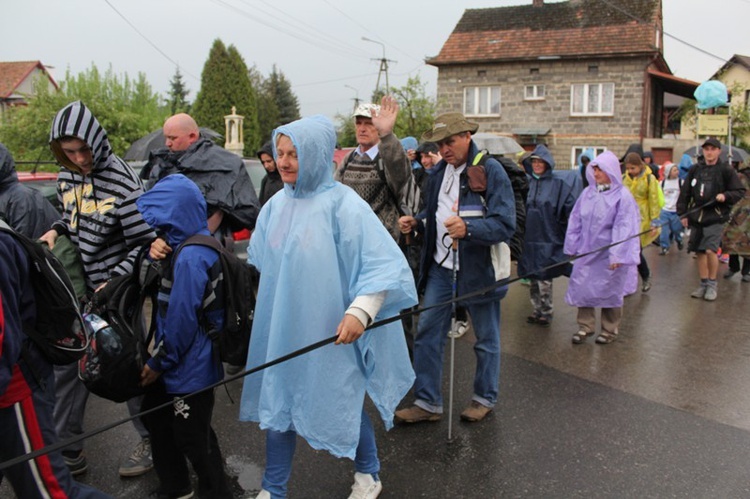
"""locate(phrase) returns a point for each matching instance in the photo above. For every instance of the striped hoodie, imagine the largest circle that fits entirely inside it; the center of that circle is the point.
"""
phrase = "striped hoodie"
(99, 212)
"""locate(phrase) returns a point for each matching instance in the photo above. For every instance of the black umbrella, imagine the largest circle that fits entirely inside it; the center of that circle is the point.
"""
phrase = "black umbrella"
(738, 154)
(140, 149)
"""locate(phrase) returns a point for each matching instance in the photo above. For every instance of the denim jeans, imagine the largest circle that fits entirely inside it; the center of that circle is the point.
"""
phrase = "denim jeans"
(429, 345)
(280, 452)
(671, 228)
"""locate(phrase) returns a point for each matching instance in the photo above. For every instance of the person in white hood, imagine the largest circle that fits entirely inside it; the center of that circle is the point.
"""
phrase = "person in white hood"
(671, 227)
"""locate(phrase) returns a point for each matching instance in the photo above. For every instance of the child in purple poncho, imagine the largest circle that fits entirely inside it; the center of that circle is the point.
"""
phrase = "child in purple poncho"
(604, 214)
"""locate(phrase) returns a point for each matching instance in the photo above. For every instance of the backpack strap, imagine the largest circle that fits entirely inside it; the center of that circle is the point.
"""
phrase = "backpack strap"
(208, 328)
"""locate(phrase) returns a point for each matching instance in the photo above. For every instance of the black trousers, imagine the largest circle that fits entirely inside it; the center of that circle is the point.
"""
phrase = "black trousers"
(734, 264)
(183, 430)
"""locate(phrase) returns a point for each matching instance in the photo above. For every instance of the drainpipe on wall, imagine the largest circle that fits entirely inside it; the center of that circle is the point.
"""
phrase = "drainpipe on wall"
(646, 100)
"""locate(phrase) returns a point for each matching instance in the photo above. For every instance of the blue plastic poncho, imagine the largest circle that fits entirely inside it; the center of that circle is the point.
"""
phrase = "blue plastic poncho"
(685, 163)
(549, 203)
(711, 93)
(600, 218)
(317, 246)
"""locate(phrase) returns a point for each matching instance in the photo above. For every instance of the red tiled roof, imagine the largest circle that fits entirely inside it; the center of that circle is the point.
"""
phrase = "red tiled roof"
(13, 73)
(566, 29)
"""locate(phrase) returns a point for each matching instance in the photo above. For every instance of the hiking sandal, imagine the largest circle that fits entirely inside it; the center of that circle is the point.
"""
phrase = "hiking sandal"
(581, 336)
(605, 338)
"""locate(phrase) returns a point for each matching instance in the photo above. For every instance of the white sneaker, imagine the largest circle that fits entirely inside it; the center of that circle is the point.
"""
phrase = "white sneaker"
(461, 328)
(365, 487)
(264, 494)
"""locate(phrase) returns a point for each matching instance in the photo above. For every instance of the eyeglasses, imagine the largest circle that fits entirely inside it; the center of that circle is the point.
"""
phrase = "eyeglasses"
(449, 183)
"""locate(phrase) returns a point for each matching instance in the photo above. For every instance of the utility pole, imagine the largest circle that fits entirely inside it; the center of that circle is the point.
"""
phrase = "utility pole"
(356, 96)
(383, 66)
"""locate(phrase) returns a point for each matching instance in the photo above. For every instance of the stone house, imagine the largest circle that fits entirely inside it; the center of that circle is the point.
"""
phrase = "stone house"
(18, 80)
(571, 75)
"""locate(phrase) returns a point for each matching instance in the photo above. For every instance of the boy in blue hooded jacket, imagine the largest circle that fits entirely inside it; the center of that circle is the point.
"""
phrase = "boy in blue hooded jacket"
(183, 360)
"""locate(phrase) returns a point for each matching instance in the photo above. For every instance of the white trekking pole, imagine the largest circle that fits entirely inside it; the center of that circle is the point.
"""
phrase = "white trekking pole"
(454, 248)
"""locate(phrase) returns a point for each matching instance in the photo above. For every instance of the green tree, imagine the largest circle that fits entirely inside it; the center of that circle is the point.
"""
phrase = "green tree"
(178, 92)
(127, 109)
(268, 111)
(347, 134)
(278, 87)
(225, 84)
(416, 113)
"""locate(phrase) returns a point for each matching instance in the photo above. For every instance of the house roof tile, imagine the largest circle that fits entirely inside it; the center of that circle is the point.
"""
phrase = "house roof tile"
(12, 75)
(570, 29)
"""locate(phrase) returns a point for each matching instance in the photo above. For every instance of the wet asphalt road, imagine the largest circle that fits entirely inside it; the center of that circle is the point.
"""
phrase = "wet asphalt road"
(662, 412)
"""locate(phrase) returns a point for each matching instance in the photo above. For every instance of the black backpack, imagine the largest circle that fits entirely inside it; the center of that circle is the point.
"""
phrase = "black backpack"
(112, 365)
(520, 185)
(58, 328)
(239, 281)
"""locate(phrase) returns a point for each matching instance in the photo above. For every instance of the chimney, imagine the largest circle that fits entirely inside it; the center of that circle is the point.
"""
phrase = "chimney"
(538, 3)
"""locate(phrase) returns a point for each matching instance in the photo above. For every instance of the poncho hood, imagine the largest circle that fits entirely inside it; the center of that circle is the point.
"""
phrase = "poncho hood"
(175, 207)
(589, 153)
(7, 167)
(609, 164)
(76, 120)
(315, 139)
(544, 154)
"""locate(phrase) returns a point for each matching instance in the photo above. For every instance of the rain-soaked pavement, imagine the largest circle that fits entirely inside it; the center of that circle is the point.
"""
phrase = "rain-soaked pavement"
(662, 412)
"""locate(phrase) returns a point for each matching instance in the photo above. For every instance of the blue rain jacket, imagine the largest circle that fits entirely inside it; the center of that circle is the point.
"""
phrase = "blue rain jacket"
(600, 218)
(317, 246)
(490, 218)
(183, 352)
(548, 206)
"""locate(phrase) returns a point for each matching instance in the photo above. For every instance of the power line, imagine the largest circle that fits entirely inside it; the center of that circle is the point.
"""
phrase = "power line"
(367, 29)
(345, 78)
(287, 17)
(322, 44)
(150, 42)
(623, 11)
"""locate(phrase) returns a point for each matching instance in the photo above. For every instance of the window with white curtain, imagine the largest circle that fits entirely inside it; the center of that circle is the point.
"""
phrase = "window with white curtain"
(482, 101)
(592, 99)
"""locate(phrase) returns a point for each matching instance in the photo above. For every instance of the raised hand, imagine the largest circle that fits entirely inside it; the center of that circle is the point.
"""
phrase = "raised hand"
(385, 120)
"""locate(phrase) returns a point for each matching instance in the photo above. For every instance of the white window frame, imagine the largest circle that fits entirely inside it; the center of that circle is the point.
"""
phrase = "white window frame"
(535, 93)
(576, 151)
(587, 102)
(479, 108)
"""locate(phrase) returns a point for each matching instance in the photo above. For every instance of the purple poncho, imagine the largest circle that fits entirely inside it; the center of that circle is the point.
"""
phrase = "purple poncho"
(599, 219)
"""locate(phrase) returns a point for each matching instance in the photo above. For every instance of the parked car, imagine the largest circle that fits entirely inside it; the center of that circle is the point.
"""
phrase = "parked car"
(44, 182)
(339, 154)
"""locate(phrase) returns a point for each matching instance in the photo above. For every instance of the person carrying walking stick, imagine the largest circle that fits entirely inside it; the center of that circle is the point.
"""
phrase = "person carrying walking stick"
(474, 206)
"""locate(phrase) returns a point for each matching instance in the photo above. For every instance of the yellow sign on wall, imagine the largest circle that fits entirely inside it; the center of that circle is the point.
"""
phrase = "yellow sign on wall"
(713, 124)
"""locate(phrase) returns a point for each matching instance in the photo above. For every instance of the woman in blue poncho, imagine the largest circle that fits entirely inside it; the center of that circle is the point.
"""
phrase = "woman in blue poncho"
(327, 266)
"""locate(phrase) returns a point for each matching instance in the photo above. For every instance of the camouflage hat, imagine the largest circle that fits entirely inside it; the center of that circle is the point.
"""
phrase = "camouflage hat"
(366, 110)
(449, 124)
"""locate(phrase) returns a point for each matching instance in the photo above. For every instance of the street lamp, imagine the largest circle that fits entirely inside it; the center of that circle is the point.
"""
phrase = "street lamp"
(356, 96)
(383, 65)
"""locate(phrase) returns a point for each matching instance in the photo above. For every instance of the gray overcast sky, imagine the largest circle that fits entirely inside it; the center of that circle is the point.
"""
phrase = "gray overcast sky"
(317, 44)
